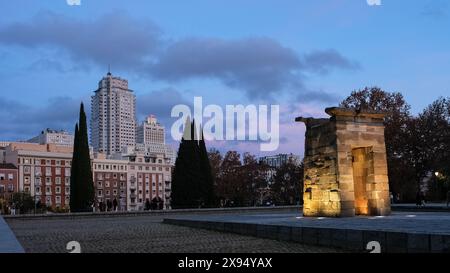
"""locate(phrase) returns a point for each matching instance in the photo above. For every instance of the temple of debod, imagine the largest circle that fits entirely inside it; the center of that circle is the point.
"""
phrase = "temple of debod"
(345, 164)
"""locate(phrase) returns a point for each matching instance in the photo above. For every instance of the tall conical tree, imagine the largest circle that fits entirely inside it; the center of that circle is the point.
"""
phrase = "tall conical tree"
(207, 182)
(185, 177)
(82, 181)
(192, 180)
(74, 196)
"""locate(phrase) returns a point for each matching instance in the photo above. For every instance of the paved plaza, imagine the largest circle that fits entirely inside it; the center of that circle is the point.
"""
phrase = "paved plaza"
(399, 232)
(417, 222)
(142, 233)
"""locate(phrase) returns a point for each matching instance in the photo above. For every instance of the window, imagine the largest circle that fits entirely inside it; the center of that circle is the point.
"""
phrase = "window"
(2, 176)
(48, 181)
(67, 172)
(10, 188)
(58, 180)
(58, 190)
(27, 180)
(26, 189)
(57, 171)
(27, 169)
(67, 190)
(37, 181)
(37, 171)
(38, 190)
(48, 171)
(58, 199)
(48, 190)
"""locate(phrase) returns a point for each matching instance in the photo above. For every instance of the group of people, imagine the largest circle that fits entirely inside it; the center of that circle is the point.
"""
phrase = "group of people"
(156, 204)
(108, 206)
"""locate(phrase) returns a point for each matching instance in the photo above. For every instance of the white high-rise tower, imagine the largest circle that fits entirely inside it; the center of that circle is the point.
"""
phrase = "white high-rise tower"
(113, 118)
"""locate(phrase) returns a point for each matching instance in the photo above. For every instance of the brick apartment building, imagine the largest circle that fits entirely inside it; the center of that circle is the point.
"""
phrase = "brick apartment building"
(43, 171)
(131, 177)
(8, 180)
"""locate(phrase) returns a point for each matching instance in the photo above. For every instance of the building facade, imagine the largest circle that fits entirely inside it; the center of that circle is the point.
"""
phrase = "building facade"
(110, 182)
(48, 136)
(149, 179)
(43, 171)
(113, 116)
(277, 161)
(9, 183)
(150, 132)
(130, 178)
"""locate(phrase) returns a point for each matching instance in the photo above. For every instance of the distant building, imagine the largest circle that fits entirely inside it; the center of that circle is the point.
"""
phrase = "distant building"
(131, 177)
(8, 180)
(43, 171)
(113, 117)
(277, 161)
(151, 139)
(110, 181)
(4, 143)
(149, 176)
(150, 132)
(48, 136)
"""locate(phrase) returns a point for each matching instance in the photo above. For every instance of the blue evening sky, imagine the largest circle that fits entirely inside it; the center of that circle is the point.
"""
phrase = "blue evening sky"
(307, 55)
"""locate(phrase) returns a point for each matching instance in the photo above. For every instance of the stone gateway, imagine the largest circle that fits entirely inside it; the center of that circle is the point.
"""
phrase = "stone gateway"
(345, 164)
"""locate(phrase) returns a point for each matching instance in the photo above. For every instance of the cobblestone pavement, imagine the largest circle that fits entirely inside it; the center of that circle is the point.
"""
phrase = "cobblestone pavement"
(139, 234)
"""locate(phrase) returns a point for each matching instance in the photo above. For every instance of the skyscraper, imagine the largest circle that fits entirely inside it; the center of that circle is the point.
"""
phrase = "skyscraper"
(113, 118)
(150, 132)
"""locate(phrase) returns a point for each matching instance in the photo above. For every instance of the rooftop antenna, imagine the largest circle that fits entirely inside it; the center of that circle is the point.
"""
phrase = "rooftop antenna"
(109, 70)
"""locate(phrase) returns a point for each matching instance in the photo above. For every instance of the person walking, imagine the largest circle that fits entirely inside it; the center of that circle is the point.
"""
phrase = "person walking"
(115, 204)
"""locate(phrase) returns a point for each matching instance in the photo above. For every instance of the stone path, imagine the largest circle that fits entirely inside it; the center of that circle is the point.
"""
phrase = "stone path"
(399, 232)
(418, 222)
(139, 234)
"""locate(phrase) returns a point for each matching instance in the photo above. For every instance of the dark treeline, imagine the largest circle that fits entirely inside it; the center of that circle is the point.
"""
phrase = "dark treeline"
(418, 148)
(208, 179)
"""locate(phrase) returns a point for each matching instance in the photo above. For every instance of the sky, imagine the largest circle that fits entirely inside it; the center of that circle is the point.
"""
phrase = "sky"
(301, 55)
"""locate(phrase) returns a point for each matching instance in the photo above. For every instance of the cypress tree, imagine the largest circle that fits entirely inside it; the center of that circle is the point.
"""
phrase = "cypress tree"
(82, 186)
(181, 180)
(73, 173)
(207, 187)
(192, 182)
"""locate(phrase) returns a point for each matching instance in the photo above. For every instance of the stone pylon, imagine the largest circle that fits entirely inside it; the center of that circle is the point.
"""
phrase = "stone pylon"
(345, 164)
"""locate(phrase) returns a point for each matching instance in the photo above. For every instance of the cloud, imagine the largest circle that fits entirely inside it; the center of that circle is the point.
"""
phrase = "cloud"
(260, 67)
(159, 103)
(114, 38)
(22, 121)
(325, 60)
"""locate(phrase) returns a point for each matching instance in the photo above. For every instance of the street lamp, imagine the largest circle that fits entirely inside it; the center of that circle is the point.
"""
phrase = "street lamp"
(436, 174)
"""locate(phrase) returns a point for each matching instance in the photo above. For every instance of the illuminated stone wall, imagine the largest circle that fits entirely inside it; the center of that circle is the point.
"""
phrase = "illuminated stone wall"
(345, 165)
